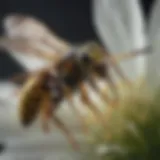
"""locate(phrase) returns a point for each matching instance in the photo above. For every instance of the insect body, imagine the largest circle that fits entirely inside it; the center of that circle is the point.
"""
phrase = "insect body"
(31, 97)
(41, 95)
(72, 71)
(83, 64)
(69, 78)
(74, 74)
(43, 90)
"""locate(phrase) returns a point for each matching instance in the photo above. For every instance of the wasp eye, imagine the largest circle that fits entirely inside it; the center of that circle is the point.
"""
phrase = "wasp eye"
(86, 58)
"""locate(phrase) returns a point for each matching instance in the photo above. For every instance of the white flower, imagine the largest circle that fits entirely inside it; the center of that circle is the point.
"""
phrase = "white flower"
(153, 65)
(121, 27)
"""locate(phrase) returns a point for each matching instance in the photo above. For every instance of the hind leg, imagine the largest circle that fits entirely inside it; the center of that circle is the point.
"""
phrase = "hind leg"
(66, 131)
(46, 114)
(68, 95)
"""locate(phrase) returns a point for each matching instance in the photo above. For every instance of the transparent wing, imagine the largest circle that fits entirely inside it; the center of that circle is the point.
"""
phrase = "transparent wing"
(27, 27)
(25, 36)
(29, 47)
(31, 36)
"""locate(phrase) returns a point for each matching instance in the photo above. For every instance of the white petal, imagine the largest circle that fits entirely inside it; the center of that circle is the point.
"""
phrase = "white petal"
(120, 25)
(153, 61)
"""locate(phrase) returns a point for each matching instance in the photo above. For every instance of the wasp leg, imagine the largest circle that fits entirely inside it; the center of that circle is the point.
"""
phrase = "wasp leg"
(114, 90)
(85, 99)
(117, 68)
(137, 52)
(19, 77)
(103, 95)
(45, 113)
(68, 94)
(66, 131)
(101, 71)
(113, 87)
(24, 76)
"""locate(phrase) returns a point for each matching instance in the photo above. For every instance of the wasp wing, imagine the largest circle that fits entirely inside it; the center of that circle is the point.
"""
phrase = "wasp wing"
(18, 25)
(33, 34)
(29, 47)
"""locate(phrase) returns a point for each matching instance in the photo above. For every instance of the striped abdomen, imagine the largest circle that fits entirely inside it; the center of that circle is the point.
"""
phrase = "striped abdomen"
(30, 102)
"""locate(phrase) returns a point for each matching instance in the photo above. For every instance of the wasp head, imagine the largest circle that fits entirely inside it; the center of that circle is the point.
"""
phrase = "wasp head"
(93, 52)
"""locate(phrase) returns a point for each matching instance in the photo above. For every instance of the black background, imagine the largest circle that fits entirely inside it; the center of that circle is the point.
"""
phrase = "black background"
(70, 19)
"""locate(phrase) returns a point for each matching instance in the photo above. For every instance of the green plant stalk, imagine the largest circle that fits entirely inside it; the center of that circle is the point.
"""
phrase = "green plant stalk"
(133, 129)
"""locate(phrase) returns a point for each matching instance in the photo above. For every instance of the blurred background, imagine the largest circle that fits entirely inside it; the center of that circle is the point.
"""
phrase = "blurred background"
(73, 20)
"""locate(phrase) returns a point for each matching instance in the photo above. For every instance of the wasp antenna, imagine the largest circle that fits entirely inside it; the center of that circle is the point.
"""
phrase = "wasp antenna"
(138, 52)
(147, 49)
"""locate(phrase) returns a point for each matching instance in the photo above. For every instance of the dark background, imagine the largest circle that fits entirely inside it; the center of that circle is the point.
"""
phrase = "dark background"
(75, 14)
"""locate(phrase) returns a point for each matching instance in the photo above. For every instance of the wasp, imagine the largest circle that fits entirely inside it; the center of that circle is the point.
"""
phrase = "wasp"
(40, 96)
(70, 68)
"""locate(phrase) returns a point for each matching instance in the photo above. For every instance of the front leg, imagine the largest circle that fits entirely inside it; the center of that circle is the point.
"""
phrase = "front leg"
(113, 88)
(101, 71)
(46, 113)
(86, 100)
(114, 64)
(103, 94)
